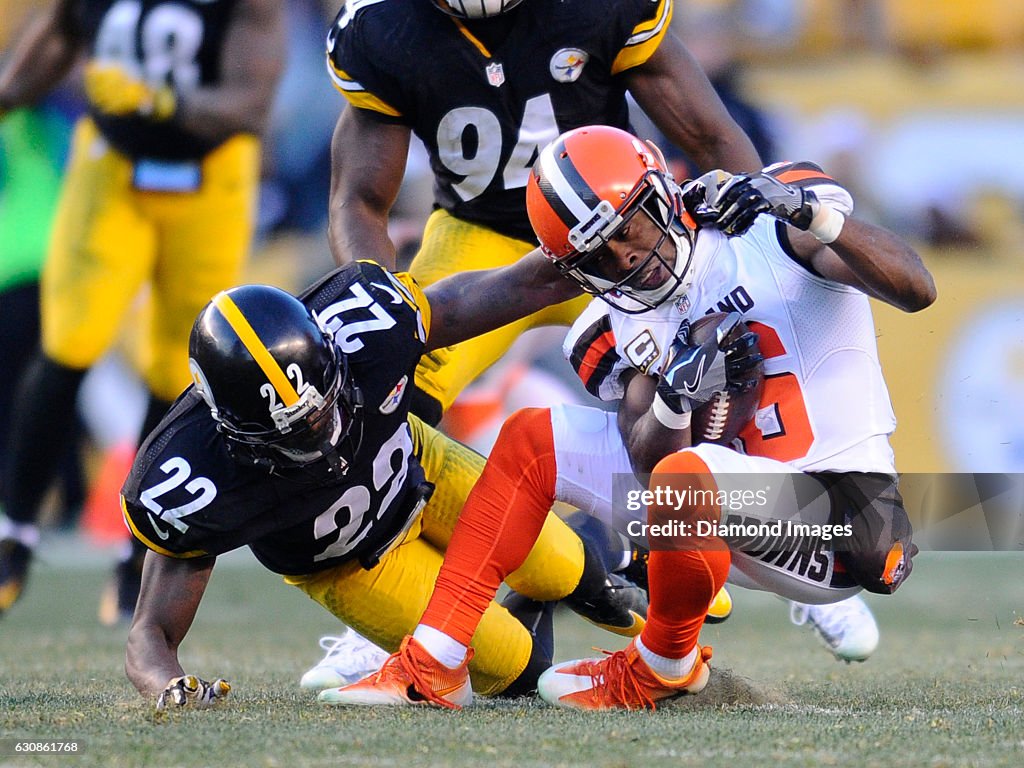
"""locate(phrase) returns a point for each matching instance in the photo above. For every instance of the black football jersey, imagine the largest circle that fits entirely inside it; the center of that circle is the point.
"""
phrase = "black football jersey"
(177, 42)
(484, 114)
(186, 496)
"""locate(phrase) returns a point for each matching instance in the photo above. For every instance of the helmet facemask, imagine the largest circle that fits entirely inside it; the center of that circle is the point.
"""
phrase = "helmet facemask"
(584, 196)
(476, 9)
(317, 426)
(592, 264)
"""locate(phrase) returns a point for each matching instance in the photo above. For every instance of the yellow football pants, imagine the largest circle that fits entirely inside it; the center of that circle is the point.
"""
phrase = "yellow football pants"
(451, 245)
(385, 603)
(109, 240)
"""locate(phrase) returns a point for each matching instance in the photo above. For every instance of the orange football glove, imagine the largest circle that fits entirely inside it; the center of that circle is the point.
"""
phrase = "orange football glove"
(113, 91)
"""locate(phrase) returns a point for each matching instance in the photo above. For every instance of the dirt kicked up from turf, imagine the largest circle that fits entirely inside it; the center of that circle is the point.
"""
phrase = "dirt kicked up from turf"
(727, 689)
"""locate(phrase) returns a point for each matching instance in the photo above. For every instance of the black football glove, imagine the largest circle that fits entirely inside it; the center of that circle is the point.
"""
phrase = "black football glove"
(743, 198)
(694, 373)
(192, 691)
(699, 196)
(742, 356)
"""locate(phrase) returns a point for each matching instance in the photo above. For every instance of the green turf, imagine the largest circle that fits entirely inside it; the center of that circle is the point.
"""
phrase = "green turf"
(946, 688)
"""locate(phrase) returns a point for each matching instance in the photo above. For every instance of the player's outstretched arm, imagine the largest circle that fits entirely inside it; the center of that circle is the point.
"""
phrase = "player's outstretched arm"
(872, 259)
(367, 166)
(39, 58)
(171, 591)
(471, 303)
(676, 94)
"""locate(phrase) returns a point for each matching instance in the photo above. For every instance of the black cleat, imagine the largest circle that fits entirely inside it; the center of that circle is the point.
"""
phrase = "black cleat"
(636, 571)
(15, 558)
(620, 606)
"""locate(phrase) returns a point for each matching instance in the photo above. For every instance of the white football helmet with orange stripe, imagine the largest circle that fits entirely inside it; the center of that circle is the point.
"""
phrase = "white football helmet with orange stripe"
(276, 383)
(585, 187)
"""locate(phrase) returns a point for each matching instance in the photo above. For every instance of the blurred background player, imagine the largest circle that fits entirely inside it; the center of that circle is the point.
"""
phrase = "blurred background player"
(611, 220)
(159, 191)
(33, 147)
(484, 86)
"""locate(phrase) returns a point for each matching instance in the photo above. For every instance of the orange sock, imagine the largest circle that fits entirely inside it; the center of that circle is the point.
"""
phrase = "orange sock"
(499, 524)
(685, 571)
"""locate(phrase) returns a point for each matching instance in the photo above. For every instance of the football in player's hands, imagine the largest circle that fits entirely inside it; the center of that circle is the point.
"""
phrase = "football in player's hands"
(721, 418)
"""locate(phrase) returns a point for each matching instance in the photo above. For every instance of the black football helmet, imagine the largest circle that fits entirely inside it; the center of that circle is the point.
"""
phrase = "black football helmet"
(476, 9)
(276, 383)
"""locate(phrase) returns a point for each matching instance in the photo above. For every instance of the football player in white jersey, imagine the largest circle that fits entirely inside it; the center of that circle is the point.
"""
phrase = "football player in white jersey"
(805, 504)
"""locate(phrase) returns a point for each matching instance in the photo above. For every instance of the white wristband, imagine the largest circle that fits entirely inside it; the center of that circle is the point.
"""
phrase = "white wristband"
(668, 417)
(827, 224)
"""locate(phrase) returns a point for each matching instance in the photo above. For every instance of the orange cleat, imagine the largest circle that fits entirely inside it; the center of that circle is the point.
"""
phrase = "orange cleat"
(622, 680)
(411, 677)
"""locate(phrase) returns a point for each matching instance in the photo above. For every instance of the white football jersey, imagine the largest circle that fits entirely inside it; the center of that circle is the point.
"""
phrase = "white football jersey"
(825, 406)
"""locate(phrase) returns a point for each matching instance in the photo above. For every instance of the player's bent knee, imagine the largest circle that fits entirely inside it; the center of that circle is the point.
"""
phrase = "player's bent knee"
(555, 565)
(681, 463)
(684, 490)
(881, 570)
(504, 650)
(531, 425)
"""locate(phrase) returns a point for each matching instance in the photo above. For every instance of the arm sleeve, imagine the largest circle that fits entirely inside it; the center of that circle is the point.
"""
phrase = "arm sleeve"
(650, 29)
(355, 71)
(591, 350)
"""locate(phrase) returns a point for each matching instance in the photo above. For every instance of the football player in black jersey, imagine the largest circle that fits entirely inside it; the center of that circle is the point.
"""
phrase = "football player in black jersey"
(486, 85)
(296, 441)
(160, 188)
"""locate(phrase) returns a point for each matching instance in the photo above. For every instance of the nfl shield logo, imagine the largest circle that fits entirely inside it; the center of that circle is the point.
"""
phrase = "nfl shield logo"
(683, 303)
(495, 74)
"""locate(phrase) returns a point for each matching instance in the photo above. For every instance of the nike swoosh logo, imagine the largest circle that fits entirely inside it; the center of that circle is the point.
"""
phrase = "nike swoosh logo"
(164, 535)
(442, 692)
(691, 387)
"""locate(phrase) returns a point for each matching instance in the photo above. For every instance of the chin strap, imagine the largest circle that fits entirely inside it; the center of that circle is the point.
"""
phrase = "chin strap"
(334, 460)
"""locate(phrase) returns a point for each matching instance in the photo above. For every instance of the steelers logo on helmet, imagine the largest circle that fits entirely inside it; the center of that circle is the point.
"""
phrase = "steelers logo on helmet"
(586, 188)
(276, 383)
(476, 9)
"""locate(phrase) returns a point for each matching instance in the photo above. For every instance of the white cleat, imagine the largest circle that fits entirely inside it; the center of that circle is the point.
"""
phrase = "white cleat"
(349, 658)
(846, 628)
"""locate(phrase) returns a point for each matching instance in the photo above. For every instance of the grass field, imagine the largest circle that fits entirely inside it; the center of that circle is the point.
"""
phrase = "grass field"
(946, 688)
